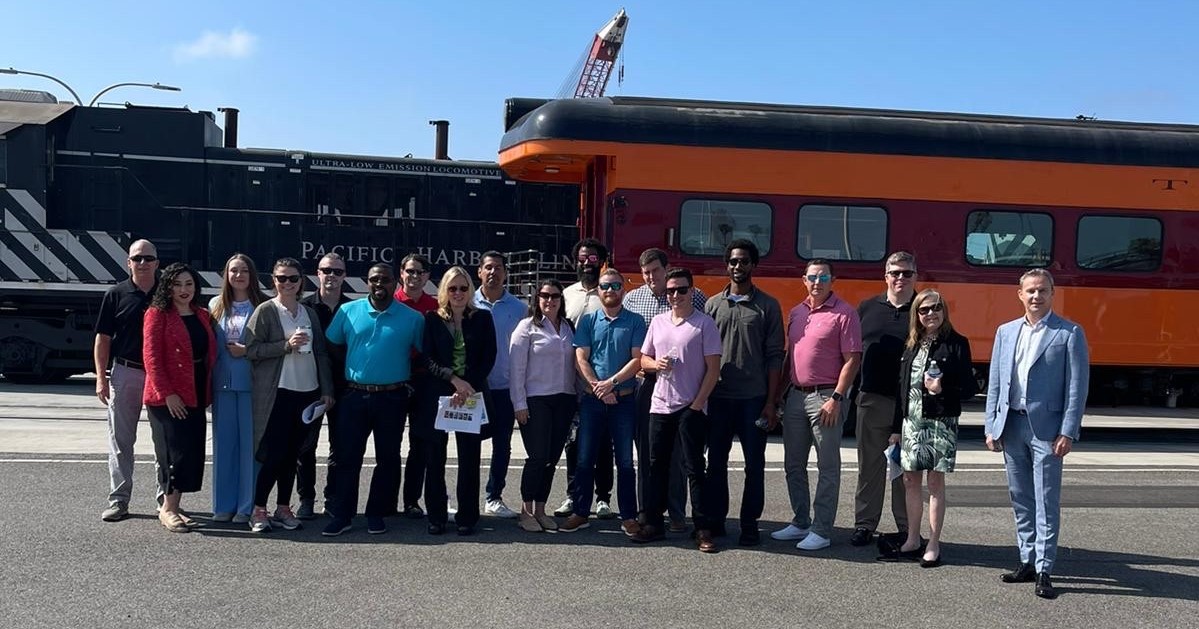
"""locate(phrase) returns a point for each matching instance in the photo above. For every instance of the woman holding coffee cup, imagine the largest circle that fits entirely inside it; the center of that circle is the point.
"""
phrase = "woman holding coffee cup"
(291, 371)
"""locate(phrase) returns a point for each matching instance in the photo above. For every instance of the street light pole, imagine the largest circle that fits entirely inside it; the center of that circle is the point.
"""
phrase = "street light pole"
(156, 86)
(44, 76)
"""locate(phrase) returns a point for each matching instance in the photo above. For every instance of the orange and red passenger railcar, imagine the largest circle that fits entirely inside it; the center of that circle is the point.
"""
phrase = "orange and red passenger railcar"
(1112, 209)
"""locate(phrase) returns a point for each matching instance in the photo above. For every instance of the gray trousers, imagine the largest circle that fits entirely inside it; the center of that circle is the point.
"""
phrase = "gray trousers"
(875, 413)
(801, 430)
(125, 386)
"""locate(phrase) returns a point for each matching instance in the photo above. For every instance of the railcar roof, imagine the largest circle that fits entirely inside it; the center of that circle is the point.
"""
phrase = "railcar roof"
(637, 120)
(16, 113)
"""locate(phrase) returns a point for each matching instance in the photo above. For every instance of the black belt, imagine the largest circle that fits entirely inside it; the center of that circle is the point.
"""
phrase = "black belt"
(377, 388)
(132, 364)
(814, 388)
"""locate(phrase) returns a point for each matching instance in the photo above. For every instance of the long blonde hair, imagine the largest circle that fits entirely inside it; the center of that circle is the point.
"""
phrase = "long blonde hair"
(915, 330)
(225, 300)
(443, 292)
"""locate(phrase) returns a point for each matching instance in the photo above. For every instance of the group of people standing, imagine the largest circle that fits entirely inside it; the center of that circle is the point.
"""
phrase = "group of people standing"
(586, 370)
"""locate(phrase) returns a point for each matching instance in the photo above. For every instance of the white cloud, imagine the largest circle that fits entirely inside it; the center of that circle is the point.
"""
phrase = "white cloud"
(235, 44)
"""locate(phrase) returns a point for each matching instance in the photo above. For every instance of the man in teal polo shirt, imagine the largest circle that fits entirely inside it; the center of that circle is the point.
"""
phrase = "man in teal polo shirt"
(380, 336)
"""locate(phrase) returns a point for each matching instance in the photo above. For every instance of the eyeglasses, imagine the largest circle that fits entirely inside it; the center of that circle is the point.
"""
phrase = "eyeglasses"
(739, 261)
(414, 272)
(820, 278)
(458, 289)
(140, 259)
(898, 274)
(937, 307)
(550, 296)
(332, 271)
(677, 290)
(286, 279)
(589, 258)
(611, 286)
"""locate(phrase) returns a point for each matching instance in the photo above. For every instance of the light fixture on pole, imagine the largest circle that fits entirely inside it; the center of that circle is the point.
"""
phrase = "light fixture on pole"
(44, 76)
(156, 86)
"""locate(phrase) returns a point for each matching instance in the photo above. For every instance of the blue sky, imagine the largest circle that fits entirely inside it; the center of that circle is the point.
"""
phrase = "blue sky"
(365, 77)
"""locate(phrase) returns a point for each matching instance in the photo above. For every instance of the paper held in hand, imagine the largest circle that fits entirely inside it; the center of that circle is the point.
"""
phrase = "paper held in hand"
(313, 412)
(470, 417)
(894, 470)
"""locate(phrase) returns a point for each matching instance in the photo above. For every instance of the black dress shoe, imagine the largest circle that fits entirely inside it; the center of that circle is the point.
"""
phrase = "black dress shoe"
(1045, 587)
(861, 536)
(466, 530)
(749, 537)
(1024, 573)
(931, 563)
(436, 529)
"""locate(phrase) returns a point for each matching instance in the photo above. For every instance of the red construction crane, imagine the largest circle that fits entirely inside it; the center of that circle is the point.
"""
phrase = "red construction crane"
(597, 69)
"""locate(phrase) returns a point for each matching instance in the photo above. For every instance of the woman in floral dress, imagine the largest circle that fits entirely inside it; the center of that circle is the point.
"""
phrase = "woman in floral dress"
(935, 376)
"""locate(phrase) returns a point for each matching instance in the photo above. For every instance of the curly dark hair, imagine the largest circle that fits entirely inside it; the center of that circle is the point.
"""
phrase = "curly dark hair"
(162, 295)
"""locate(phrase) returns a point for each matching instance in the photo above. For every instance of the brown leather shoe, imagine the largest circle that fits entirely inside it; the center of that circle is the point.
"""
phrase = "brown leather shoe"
(705, 542)
(648, 533)
(630, 527)
(574, 523)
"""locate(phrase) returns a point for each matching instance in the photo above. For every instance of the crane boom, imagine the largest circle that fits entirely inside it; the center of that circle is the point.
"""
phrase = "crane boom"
(602, 56)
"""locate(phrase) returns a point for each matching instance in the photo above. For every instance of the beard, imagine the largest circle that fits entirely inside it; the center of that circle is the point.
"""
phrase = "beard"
(589, 274)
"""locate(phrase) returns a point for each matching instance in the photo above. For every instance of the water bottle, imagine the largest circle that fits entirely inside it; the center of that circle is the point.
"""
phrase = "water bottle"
(762, 423)
(672, 357)
(934, 370)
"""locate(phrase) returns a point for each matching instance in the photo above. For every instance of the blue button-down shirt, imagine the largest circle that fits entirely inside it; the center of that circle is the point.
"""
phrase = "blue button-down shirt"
(611, 341)
(379, 345)
(506, 312)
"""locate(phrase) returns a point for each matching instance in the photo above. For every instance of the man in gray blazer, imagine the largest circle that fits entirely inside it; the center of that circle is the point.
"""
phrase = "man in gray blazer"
(1035, 397)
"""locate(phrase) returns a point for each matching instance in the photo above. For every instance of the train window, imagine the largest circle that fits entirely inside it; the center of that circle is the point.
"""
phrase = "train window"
(1119, 243)
(707, 226)
(841, 232)
(996, 238)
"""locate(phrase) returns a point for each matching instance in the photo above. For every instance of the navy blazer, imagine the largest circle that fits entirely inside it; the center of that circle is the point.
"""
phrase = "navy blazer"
(952, 353)
(478, 334)
(1057, 381)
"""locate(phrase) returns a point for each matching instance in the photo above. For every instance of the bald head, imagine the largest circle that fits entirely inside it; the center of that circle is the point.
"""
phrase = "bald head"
(143, 263)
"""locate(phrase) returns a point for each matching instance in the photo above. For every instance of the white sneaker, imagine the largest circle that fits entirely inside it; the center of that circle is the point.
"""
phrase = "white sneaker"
(499, 509)
(565, 509)
(813, 542)
(603, 510)
(790, 533)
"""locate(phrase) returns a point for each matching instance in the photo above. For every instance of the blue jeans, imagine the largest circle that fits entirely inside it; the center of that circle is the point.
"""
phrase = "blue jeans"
(726, 418)
(501, 421)
(616, 423)
(233, 466)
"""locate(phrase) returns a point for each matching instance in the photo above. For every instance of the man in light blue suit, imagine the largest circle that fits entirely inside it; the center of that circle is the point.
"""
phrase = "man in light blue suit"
(1035, 397)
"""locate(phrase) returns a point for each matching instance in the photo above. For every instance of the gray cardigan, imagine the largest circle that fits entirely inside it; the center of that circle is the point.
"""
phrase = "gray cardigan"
(265, 347)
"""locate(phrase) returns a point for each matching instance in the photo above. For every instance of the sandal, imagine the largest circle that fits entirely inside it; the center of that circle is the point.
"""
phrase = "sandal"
(173, 522)
(187, 521)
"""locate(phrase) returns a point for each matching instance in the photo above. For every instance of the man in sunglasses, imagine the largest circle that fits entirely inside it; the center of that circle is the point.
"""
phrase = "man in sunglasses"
(414, 276)
(751, 333)
(331, 274)
(824, 349)
(579, 299)
(608, 355)
(884, 321)
(683, 347)
(118, 347)
(649, 301)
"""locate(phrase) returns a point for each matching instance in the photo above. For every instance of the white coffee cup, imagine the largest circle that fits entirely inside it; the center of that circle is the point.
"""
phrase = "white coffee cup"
(306, 348)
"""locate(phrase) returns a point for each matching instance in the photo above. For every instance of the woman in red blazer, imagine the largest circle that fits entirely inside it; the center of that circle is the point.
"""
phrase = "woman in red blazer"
(178, 351)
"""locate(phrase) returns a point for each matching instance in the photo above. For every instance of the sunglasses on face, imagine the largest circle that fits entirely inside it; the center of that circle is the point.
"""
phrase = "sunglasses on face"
(140, 259)
(332, 271)
(903, 274)
(287, 279)
(937, 307)
(550, 296)
(611, 286)
(819, 278)
(414, 272)
(739, 261)
(592, 258)
(677, 290)
(458, 289)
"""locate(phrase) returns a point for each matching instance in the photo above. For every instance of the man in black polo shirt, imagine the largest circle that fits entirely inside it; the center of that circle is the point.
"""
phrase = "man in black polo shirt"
(331, 275)
(884, 330)
(119, 347)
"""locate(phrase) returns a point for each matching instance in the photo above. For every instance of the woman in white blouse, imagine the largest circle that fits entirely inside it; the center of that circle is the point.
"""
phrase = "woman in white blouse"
(542, 375)
(286, 345)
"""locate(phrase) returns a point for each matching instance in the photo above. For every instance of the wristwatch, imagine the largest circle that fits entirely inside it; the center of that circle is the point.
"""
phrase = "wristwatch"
(838, 397)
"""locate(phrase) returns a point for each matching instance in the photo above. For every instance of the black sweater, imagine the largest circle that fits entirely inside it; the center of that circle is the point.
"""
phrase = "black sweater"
(952, 353)
(478, 333)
